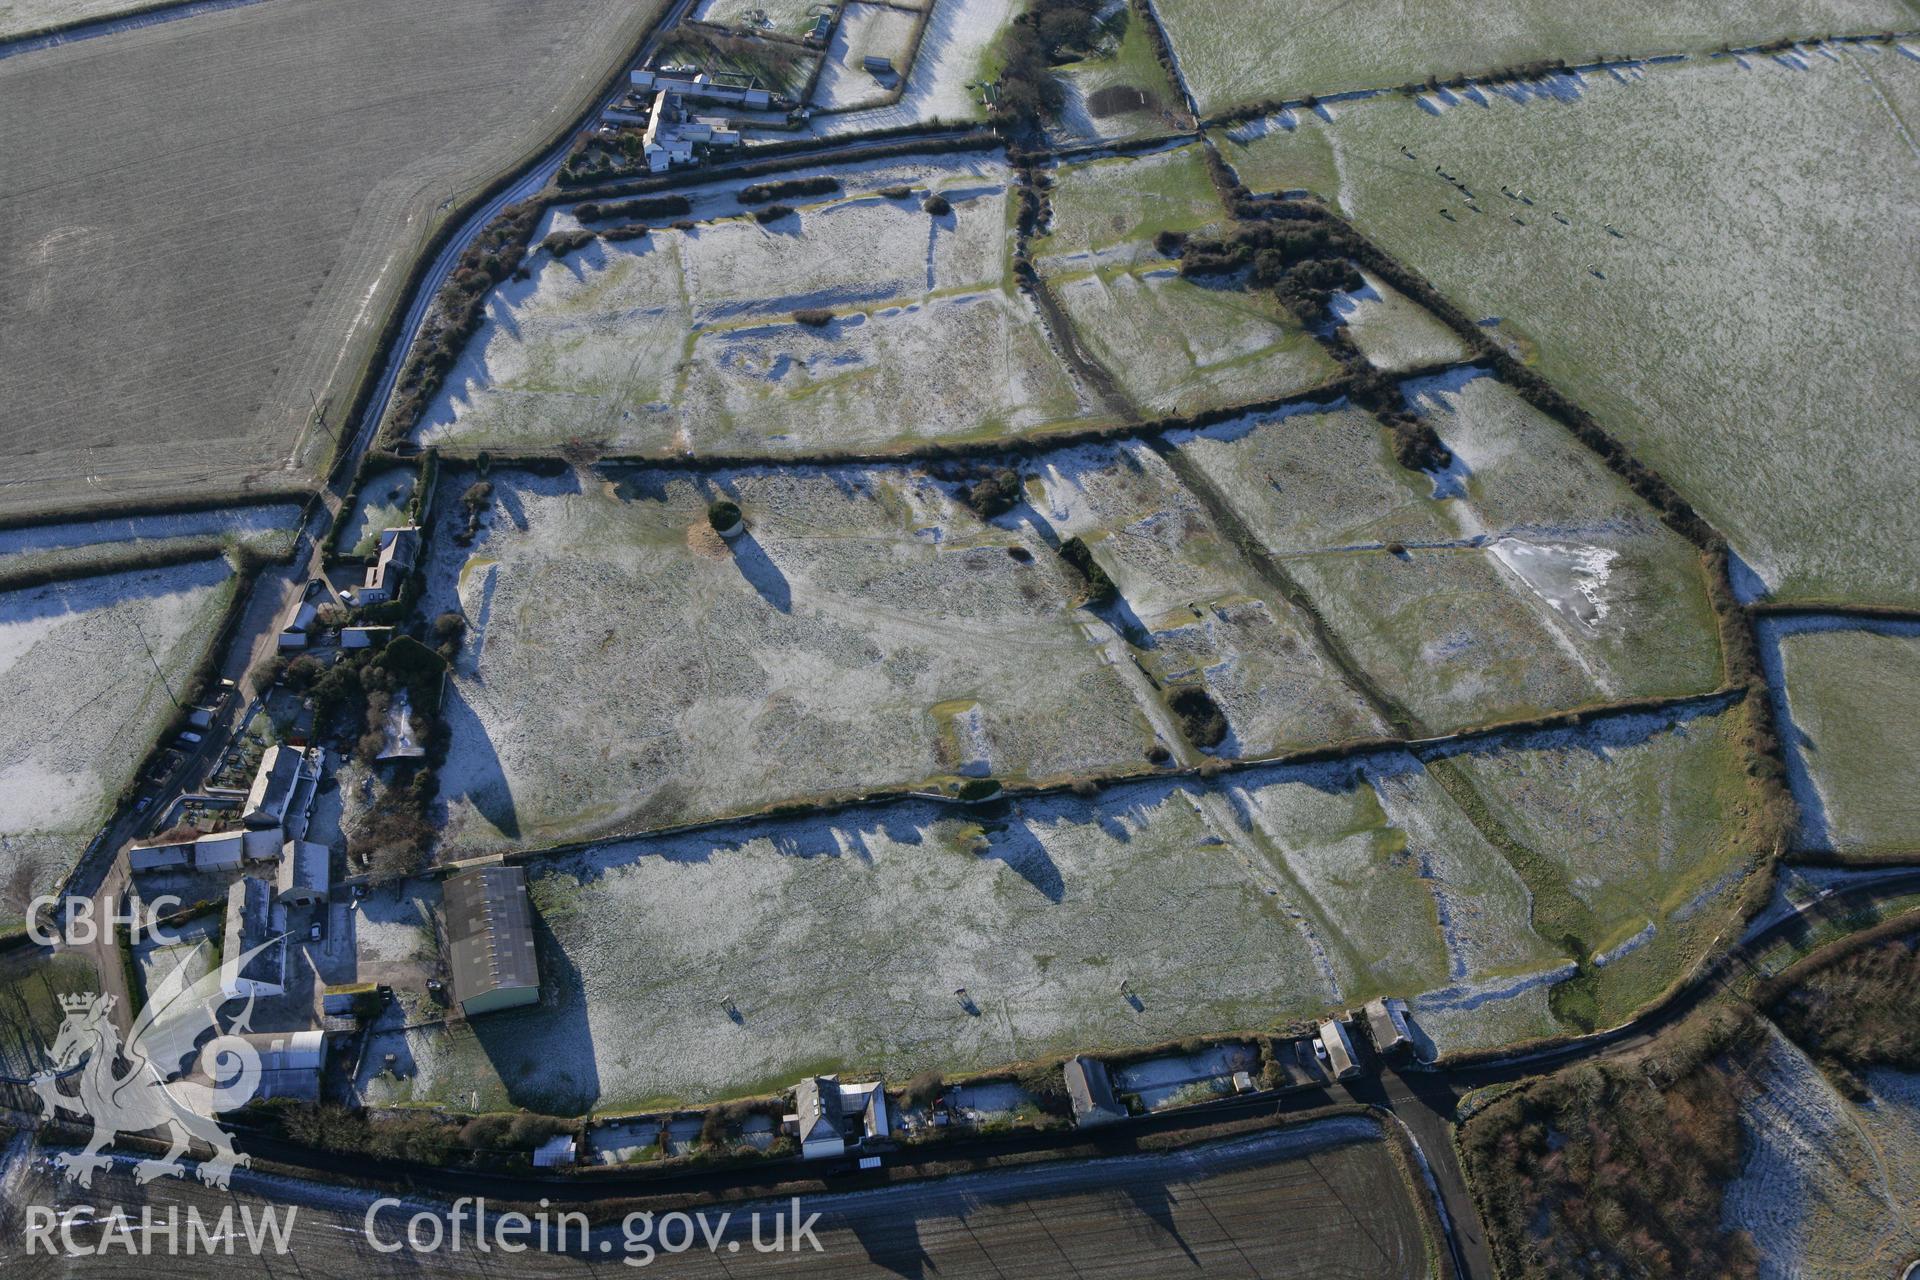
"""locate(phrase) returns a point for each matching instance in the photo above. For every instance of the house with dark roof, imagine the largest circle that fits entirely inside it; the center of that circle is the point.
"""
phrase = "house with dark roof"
(399, 552)
(1090, 1090)
(273, 785)
(826, 1114)
(490, 939)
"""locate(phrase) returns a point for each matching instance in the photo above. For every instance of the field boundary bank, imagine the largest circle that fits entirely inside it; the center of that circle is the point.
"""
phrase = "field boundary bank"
(782, 157)
(1207, 774)
(1329, 394)
(201, 547)
(1860, 613)
(394, 331)
(1898, 859)
(58, 34)
(1493, 77)
(1825, 956)
(193, 505)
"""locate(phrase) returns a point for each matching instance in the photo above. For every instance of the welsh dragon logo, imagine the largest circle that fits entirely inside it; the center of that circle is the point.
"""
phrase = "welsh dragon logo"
(151, 1093)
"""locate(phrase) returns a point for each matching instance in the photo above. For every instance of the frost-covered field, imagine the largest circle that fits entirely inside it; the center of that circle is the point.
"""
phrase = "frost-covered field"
(1233, 52)
(789, 16)
(1828, 1187)
(1204, 616)
(1107, 211)
(1638, 818)
(686, 340)
(1391, 330)
(1529, 578)
(1747, 331)
(686, 968)
(951, 59)
(382, 504)
(74, 548)
(80, 703)
(18, 16)
(865, 30)
(124, 531)
(626, 668)
(1175, 346)
(1853, 730)
(1124, 65)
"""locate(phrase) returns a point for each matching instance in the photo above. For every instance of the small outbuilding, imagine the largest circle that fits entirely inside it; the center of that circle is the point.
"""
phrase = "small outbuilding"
(161, 855)
(1387, 1024)
(557, 1152)
(1090, 1091)
(1340, 1056)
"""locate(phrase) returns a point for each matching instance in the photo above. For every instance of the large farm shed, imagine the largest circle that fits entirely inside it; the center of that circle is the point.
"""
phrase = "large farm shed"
(490, 940)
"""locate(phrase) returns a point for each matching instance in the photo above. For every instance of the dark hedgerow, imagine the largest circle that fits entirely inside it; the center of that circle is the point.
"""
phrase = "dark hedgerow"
(1100, 588)
(1205, 724)
(562, 243)
(994, 494)
(814, 317)
(761, 192)
(771, 213)
(669, 206)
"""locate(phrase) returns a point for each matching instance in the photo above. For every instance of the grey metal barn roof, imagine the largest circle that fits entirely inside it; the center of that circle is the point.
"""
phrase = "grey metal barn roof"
(489, 932)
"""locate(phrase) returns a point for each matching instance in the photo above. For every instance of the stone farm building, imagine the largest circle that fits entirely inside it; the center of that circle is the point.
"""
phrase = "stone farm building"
(253, 959)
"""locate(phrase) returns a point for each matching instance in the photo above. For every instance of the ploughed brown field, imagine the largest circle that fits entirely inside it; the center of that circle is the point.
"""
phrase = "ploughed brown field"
(204, 223)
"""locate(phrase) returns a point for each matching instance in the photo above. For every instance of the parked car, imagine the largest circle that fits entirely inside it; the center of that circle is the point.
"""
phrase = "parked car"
(313, 934)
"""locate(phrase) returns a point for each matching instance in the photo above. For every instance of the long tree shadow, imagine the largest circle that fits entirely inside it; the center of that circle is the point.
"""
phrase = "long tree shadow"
(762, 573)
(1023, 853)
(473, 771)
